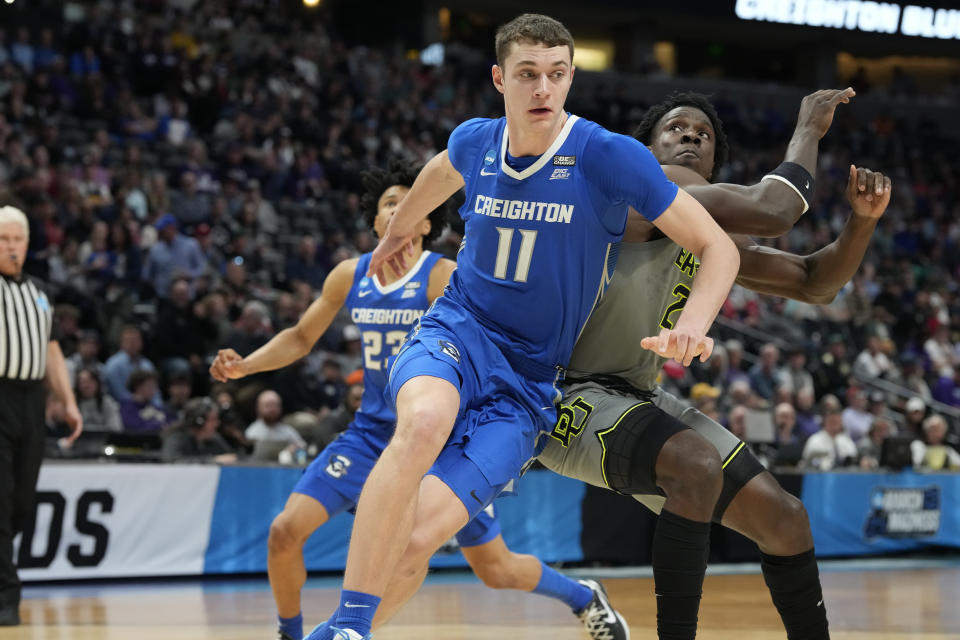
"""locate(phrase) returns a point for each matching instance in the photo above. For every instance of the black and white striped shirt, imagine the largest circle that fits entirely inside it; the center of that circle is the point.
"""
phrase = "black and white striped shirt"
(26, 323)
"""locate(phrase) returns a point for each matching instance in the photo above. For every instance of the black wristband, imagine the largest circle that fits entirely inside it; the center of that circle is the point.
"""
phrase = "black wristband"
(797, 178)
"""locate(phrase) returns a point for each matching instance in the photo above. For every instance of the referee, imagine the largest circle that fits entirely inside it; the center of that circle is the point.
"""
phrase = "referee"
(28, 356)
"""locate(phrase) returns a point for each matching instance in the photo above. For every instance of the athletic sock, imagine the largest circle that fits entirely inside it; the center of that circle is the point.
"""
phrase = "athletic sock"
(680, 551)
(356, 611)
(554, 584)
(794, 583)
(293, 627)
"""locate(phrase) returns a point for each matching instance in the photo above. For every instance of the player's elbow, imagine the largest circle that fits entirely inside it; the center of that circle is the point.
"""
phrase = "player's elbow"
(301, 341)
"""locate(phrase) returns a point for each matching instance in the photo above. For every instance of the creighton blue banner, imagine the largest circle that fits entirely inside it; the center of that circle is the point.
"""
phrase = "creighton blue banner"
(870, 513)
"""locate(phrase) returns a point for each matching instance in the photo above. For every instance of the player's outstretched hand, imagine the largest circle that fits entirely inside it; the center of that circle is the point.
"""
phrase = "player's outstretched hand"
(680, 344)
(816, 109)
(228, 365)
(395, 248)
(868, 192)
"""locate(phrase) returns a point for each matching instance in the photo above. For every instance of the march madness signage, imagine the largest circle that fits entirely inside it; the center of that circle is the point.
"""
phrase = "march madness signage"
(857, 513)
(903, 513)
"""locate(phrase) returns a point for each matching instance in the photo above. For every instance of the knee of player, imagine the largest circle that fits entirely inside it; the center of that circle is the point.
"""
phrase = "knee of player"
(421, 546)
(422, 428)
(693, 464)
(282, 536)
(793, 517)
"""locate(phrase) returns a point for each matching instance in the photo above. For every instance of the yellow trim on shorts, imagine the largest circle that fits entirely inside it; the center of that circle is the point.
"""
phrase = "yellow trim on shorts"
(603, 445)
(733, 455)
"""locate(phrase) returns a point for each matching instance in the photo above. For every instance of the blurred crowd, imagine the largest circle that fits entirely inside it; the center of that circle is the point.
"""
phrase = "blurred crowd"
(191, 175)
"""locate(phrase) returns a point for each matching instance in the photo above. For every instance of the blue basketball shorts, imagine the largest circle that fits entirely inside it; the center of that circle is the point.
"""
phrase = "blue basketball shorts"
(336, 476)
(502, 414)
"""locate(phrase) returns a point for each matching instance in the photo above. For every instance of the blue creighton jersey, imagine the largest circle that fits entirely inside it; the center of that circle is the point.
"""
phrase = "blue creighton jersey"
(542, 235)
(384, 316)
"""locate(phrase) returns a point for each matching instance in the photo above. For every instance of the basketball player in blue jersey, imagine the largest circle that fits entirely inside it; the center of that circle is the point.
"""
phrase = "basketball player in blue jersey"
(547, 195)
(385, 310)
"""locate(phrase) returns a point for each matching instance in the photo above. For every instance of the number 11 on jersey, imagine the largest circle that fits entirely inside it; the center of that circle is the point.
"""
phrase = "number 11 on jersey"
(528, 238)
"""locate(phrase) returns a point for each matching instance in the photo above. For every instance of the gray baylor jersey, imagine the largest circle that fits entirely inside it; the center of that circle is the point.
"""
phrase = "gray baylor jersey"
(647, 292)
(649, 289)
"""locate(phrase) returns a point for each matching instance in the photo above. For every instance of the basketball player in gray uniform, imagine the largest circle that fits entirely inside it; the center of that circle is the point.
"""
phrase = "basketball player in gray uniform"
(615, 424)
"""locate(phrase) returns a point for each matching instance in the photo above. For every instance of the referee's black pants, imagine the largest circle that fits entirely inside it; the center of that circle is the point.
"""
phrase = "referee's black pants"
(22, 411)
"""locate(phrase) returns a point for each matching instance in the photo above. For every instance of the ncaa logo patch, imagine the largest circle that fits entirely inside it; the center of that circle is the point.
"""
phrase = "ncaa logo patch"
(449, 349)
(489, 157)
(338, 466)
(43, 303)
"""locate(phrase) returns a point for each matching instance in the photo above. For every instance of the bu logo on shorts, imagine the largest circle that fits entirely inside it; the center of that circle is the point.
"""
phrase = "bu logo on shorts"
(338, 466)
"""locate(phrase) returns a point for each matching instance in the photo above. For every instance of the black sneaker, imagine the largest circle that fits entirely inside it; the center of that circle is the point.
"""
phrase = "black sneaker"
(283, 635)
(9, 616)
(601, 620)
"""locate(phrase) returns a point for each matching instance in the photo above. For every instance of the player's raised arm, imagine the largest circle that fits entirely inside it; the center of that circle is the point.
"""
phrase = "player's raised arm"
(293, 343)
(818, 277)
(690, 139)
(437, 181)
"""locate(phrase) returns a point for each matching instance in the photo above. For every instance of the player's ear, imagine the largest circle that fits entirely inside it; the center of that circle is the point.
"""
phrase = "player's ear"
(497, 73)
(425, 227)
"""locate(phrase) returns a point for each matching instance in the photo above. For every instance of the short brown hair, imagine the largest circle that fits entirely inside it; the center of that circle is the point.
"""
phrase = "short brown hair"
(532, 28)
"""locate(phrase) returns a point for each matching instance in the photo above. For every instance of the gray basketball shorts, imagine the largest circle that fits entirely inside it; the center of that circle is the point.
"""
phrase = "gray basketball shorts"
(583, 444)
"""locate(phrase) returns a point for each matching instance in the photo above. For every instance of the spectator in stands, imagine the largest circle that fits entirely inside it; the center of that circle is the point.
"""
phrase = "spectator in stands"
(940, 351)
(173, 254)
(871, 445)
(87, 355)
(21, 51)
(188, 205)
(251, 331)
(932, 453)
(268, 426)
(763, 375)
(142, 411)
(303, 265)
(100, 412)
(194, 438)
(332, 385)
(738, 393)
(179, 388)
(737, 423)
(856, 418)
(877, 407)
(335, 423)
(120, 365)
(264, 212)
(835, 368)
(808, 420)
(99, 262)
(830, 447)
(912, 371)
(351, 356)
(794, 375)
(873, 362)
(179, 336)
(785, 420)
(915, 412)
(947, 388)
(714, 372)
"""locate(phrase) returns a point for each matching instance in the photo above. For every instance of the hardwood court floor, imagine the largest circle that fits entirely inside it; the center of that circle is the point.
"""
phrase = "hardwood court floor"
(922, 604)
